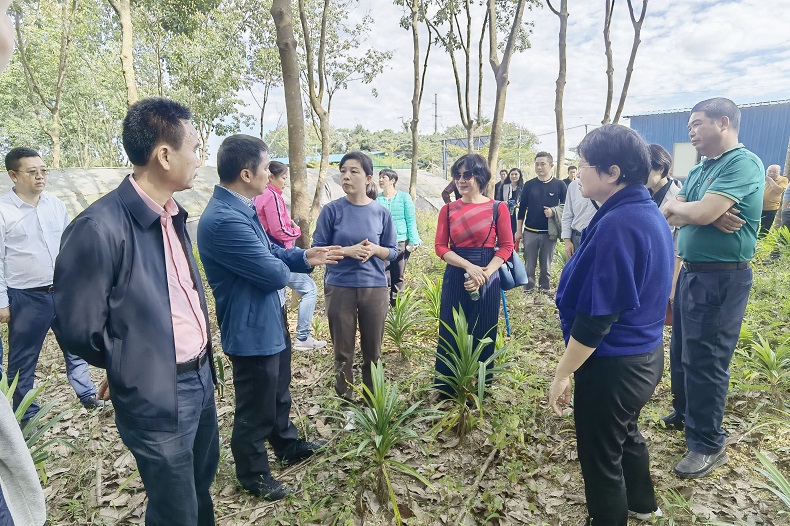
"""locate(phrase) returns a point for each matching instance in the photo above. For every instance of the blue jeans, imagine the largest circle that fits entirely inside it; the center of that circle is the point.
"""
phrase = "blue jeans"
(5, 513)
(306, 287)
(178, 467)
(706, 322)
(31, 317)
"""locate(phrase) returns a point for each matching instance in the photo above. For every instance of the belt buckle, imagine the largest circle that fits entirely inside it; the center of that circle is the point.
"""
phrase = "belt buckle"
(51, 289)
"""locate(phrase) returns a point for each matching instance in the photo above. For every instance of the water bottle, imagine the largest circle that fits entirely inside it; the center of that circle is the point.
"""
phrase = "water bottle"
(474, 295)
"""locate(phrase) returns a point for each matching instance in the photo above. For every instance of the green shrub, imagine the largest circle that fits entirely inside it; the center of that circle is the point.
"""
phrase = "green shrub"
(403, 318)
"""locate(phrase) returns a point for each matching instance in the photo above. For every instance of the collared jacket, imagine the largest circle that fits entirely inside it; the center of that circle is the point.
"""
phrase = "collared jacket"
(112, 306)
(245, 271)
(274, 217)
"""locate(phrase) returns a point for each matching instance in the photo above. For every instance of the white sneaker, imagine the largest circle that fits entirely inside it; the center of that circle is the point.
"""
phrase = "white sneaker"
(349, 421)
(308, 344)
(646, 516)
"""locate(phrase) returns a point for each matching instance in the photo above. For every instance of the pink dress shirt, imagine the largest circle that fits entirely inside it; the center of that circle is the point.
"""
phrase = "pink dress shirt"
(189, 322)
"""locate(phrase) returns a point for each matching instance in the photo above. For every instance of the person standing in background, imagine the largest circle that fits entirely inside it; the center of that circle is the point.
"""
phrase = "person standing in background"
(401, 207)
(571, 175)
(775, 186)
(503, 180)
(284, 232)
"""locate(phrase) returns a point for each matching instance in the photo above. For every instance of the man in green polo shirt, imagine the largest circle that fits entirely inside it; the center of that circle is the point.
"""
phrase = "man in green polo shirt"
(718, 212)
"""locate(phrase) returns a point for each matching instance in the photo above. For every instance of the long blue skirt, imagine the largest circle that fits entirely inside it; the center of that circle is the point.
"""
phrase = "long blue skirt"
(481, 315)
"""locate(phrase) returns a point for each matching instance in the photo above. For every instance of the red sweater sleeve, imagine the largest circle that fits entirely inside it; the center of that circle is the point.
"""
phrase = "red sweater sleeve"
(504, 232)
(441, 243)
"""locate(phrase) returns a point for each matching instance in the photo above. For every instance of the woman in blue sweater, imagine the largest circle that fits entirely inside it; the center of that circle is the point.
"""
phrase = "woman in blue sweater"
(355, 290)
(612, 300)
(401, 207)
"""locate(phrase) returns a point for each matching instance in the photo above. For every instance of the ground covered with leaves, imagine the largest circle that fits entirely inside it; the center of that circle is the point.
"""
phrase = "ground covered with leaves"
(516, 465)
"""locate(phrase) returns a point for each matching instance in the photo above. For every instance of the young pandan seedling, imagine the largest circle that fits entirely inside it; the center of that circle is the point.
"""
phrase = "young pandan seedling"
(40, 423)
(433, 295)
(466, 381)
(769, 365)
(379, 428)
(403, 318)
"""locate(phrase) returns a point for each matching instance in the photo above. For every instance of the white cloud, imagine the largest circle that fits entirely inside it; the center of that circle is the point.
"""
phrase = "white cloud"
(689, 51)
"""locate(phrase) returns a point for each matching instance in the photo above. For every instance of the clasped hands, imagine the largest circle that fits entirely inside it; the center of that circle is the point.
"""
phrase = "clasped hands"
(477, 277)
(363, 251)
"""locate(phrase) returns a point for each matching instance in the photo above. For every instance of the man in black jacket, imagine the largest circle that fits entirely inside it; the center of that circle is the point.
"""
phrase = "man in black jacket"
(128, 298)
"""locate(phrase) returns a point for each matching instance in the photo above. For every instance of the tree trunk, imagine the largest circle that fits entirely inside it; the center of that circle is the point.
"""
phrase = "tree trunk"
(123, 9)
(54, 134)
(415, 98)
(325, 129)
(637, 23)
(562, 14)
(501, 73)
(607, 42)
(289, 60)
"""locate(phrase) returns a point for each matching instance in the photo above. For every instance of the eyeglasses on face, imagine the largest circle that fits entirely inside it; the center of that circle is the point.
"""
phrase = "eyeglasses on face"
(33, 172)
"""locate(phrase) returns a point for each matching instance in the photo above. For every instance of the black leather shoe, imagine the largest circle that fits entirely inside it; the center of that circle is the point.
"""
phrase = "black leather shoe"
(92, 403)
(300, 450)
(270, 488)
(697, 465)
(672, 421)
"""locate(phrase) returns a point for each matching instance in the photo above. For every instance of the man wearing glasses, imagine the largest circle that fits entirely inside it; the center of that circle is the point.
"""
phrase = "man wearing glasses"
(31, 223)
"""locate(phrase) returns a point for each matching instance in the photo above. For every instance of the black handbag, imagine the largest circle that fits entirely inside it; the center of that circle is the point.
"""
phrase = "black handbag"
(512, 273)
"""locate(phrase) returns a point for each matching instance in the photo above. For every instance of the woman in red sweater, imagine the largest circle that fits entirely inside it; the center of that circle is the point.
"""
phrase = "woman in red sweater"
(474, 247)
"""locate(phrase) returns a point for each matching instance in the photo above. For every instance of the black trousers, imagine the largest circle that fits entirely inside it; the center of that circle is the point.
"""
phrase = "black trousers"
(395, 270)
(766, 221)
(609, 395)
(263, 406)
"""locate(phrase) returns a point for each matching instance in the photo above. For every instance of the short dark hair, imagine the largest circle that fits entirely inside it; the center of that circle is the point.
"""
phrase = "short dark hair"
(239, 152)
(362, 158)
(615, 144)
(571, 167)
(13, 157)
(150, 122)
(276, 168)
(545, 154)
(719, 107)
(477, 165)
(660, 159)
(390, 173)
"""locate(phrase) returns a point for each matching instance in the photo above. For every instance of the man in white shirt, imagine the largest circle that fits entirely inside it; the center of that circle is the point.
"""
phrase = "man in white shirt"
(576, 216)
(31, 223)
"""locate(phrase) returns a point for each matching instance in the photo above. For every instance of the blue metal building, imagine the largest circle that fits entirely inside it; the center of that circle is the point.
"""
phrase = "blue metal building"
(765, 129)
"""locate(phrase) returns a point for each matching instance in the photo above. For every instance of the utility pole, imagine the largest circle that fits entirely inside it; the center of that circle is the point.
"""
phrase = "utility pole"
(435, 113)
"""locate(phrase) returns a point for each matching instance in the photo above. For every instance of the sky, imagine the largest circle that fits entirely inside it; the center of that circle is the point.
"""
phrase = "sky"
(690, 51)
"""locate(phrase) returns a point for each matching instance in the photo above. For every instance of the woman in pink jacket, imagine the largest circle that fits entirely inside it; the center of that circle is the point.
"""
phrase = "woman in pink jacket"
(283, 231)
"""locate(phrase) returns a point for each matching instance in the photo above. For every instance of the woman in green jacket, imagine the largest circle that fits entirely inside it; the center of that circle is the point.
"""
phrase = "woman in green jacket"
(401, 207)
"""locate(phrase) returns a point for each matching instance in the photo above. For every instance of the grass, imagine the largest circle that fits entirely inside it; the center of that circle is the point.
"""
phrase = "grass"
(534, 478)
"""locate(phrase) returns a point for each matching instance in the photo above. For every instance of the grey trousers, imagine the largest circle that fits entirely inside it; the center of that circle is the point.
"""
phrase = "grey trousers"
(538, 248)
(345, 307)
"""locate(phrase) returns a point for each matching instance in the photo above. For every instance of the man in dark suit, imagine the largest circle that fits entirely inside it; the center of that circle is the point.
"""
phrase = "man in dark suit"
(247, 274)
(129, 298)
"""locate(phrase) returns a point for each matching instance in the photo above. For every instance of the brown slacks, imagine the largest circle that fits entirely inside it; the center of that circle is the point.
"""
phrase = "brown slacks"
(345, 306)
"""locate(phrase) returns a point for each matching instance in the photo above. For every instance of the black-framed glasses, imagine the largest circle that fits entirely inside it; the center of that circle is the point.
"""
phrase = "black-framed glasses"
(463, 175)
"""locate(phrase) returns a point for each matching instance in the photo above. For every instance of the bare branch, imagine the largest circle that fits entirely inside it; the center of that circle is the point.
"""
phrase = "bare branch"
(548, 3)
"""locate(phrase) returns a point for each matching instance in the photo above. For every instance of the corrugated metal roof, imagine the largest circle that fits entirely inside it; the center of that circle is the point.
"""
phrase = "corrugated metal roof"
(765, 129)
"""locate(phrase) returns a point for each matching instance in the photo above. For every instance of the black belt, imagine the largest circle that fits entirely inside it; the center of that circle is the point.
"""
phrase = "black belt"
(194, 364)
(713, 267)
(46, 288)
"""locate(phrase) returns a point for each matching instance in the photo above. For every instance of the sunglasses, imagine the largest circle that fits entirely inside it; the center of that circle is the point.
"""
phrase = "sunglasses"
(464, 175)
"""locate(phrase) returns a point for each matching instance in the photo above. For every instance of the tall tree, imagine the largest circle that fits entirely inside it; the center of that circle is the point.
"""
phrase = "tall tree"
(416, 12)
(45, 83)
(289, 60)
(333, 66)
(559, 93)
(636, 22)
(457, 36)
(607, 43)
(516, 40)
(263, 56)
(123, 8)
(629, 70)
